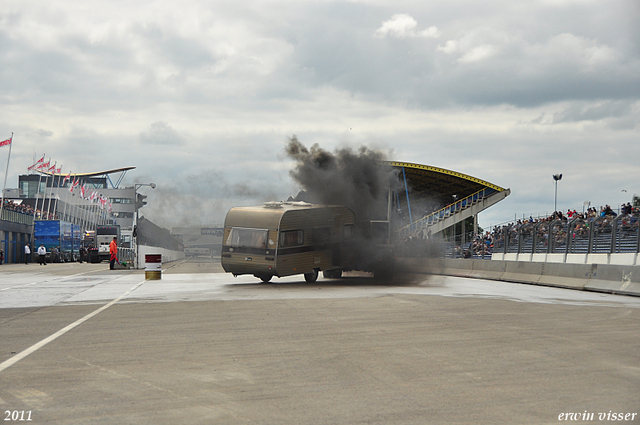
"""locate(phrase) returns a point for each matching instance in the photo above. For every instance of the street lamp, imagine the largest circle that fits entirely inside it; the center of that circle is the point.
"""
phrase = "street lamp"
(135, 228)
(556, 177)
(455, 198)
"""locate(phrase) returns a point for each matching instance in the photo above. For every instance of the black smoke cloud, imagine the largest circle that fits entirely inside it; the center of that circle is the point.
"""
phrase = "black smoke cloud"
(358, 179)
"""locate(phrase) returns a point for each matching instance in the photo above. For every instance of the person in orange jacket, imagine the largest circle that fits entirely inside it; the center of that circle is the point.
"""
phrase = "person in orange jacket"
(113, 253)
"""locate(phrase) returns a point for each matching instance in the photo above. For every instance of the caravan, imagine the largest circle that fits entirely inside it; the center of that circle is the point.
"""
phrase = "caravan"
(288, 238)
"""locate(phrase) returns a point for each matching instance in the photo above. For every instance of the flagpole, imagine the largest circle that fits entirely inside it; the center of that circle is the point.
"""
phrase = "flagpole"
(64, 214)
(83, 211)
(96, 216)
(4, 186)
(87, 214)
(55, 204)
(53, 182)
(44, 199)
(35, 208)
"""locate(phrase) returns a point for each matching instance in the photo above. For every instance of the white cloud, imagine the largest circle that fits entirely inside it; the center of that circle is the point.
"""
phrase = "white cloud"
(580, 53)
(449, 47)
(479, 53)
(478, 45)
(513, 90)
(404, 26)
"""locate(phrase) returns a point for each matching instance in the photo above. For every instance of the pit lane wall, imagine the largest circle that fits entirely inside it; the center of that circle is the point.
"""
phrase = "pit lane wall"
(610, 278)
(168, 255)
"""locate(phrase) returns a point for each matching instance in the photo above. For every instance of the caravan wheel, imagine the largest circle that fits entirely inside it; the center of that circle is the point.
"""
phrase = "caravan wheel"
(311, 276)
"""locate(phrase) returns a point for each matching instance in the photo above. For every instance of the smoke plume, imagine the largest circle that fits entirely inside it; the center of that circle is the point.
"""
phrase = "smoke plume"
(357, 179)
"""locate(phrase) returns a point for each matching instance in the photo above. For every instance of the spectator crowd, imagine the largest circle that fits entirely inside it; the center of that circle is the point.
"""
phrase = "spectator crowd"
(28, 210)
(601, 218)
(482, 245)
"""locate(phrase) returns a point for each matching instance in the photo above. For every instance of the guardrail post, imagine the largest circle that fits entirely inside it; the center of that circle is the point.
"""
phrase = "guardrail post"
(551, 242)
(638, 238)
(505, 240)
(520, 238)
(536, 236)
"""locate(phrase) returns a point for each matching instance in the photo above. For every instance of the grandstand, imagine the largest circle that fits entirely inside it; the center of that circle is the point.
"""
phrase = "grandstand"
(557, 238)
(450, 197)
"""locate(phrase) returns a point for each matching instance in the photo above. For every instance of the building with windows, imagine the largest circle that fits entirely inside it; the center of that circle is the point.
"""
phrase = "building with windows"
(86, 200)
(95, 199)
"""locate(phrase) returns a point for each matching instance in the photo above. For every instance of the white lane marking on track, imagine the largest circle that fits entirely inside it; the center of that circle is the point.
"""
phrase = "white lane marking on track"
(15, 359)
(45, 281)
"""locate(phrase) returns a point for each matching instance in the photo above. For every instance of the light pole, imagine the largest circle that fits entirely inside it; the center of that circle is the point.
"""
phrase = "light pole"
(455, 198)
(556, 177)
(135, 228)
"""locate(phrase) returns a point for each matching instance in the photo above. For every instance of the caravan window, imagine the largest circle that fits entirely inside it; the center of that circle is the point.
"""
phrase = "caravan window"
(291, 238)
(349, 231)
(248, 238)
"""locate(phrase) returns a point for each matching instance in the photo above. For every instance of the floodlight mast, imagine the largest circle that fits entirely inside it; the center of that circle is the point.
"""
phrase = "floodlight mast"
(556, 178)
(455, 198)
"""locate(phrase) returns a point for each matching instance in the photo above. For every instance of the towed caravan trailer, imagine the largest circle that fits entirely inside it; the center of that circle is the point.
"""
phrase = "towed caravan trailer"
(288, 238)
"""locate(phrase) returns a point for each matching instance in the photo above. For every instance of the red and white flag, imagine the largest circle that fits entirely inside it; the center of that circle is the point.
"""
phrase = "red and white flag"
(6, 142)
(52, 169)
(82, 190)
(74, 185)
(68, 177)
(44, 165)
(38, 162)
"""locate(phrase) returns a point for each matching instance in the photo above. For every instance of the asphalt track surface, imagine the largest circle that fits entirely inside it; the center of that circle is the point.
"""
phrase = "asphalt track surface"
(80, 344)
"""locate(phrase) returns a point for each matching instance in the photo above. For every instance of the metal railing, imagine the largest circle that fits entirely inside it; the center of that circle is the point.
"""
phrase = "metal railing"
(126, 255)
(445, 212)
(17, 217)
(578, 236)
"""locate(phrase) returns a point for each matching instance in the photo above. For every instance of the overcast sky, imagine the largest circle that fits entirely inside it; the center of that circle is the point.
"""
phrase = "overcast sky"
(201, 96)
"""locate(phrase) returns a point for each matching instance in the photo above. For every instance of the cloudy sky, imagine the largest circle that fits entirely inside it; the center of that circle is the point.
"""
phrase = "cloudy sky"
(201, 96)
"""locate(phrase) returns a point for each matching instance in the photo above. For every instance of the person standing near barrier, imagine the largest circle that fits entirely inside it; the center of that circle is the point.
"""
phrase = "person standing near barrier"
(113, 253)
(27, 254)
(42, 255)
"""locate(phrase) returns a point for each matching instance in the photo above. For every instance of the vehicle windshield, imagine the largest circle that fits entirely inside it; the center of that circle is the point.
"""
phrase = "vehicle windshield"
(248, 238)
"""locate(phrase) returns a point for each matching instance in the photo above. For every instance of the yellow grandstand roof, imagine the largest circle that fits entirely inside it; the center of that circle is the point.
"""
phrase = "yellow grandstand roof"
(93, 174)
(439, 183)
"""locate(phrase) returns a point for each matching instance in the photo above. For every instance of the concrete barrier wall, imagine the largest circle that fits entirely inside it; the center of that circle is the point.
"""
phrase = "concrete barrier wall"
(611, 278)
(167, 255)
(622, 259)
